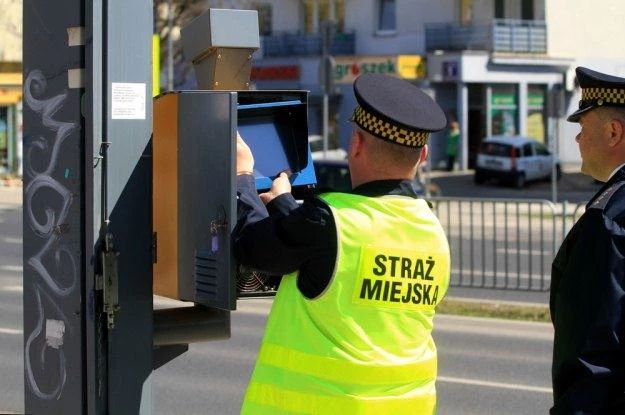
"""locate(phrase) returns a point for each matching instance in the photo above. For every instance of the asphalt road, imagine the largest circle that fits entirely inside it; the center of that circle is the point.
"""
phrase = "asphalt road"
(11, 342)
(573, 187)
(485, 366)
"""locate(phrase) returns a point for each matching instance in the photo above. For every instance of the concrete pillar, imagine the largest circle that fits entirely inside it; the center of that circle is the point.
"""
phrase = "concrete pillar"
(522, 112)
(463, 119)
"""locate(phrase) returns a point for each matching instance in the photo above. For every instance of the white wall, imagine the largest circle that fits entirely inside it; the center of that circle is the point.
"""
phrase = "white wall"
(586, 29)
(286, 15)
(411, 15)
(482, 11)
(11, 30)
(592, 33)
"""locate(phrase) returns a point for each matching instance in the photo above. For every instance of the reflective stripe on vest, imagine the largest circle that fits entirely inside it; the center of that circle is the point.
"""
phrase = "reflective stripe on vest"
(279, 401)
(364, 345)
(345, 371)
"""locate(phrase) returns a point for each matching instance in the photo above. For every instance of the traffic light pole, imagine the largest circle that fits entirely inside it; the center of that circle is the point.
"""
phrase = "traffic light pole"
(88, 345)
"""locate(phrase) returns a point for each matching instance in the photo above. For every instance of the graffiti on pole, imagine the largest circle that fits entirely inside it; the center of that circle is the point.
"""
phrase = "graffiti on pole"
(54, 264)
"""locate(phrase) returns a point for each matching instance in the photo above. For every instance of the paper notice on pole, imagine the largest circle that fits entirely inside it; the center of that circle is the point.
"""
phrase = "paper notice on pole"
(128, 101)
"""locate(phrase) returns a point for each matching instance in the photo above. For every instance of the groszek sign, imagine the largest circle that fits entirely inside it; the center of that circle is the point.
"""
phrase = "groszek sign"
(348, 68)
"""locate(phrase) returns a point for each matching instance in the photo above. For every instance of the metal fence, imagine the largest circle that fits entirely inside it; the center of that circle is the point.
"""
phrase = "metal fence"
(293, 43)
(504, 243)
(497, 35)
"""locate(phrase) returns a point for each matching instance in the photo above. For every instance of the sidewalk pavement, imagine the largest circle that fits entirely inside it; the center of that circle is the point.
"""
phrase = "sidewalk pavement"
(11, 195)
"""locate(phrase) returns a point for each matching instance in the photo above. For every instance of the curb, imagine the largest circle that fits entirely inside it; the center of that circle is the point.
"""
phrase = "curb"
(510, 310)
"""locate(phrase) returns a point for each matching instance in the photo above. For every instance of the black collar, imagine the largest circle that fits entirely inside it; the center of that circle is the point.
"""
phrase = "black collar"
(389, 187)
(619, 176)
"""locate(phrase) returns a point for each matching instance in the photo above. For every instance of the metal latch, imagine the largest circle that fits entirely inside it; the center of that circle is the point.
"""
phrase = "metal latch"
(110, 280)
(218, 226)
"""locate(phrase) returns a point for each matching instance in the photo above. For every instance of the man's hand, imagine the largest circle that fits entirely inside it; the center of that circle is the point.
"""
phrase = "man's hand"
(245, 159)
(280, 185)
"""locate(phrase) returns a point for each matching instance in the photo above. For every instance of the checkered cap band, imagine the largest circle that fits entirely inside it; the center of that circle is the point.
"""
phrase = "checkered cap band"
(383, 129)
(607, 95)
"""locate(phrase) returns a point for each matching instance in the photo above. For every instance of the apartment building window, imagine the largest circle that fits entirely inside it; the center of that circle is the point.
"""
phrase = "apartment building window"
(499, 9)
(387, 21)
(466, 11)
(264, 17)
(527, 9)
(514, 9)
(316, 11)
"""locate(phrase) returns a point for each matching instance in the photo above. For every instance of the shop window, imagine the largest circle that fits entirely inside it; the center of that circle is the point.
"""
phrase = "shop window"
(535, 124)
(504, 110)
(387, 18)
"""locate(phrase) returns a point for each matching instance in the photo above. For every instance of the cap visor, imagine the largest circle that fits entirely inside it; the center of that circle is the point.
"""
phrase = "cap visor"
(577, 114)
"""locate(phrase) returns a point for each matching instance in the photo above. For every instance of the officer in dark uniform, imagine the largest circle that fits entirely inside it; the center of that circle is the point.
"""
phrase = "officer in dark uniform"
(587, 300)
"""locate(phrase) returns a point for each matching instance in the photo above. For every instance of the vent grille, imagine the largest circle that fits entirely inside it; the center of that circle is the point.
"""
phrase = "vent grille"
(206, 275)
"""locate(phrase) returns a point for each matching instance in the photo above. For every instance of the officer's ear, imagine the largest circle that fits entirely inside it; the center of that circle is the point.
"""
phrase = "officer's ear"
(356, 143)
(616, 130)
(424, 154)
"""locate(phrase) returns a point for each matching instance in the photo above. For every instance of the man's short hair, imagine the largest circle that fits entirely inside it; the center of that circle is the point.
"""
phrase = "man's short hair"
(390, 153)
(612, 113)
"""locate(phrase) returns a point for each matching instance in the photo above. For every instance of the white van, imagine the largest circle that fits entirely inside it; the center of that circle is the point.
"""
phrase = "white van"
(514, 159)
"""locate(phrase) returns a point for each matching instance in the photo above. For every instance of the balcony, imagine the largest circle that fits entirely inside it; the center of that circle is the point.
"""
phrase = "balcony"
(500, 35)
(289, 44)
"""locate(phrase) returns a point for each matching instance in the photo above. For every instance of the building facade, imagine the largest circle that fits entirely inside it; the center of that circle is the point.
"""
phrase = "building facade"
(10, 86)
(497, 66)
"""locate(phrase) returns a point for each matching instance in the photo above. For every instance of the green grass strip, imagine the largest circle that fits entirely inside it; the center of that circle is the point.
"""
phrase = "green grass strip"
(494, 309)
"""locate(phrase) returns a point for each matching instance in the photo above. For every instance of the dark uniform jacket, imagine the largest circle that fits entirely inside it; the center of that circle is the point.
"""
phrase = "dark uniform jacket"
(286, 236)
(587, 306)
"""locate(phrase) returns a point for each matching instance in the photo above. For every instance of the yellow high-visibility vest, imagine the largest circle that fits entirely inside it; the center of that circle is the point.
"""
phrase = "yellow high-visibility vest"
(363, 346)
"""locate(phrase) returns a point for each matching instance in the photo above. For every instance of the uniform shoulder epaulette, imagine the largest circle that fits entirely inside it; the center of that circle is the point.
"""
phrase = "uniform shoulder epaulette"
(603, 199)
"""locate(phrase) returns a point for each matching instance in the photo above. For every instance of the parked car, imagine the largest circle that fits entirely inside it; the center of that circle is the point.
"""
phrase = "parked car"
(515, 160)
(333, 175)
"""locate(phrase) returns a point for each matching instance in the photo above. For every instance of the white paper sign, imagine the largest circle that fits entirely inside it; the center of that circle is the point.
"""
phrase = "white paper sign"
(127, 101)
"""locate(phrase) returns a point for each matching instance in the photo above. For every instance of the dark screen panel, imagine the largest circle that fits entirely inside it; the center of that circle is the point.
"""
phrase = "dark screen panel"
(270, 155)
(277, 133)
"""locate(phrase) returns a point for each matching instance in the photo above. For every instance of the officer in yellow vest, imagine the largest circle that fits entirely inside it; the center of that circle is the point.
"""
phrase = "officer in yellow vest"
(350, 328)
